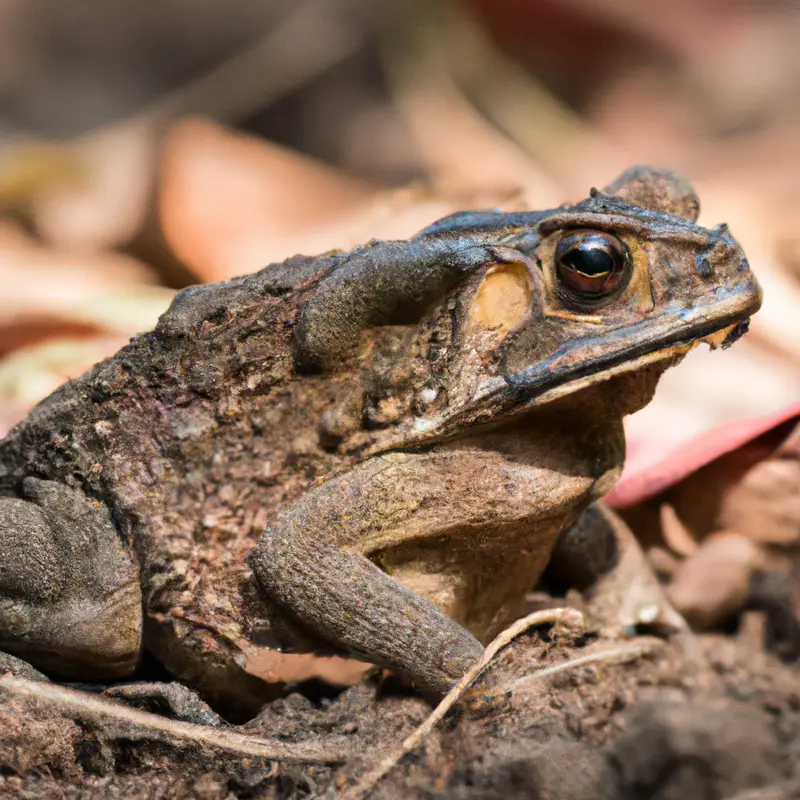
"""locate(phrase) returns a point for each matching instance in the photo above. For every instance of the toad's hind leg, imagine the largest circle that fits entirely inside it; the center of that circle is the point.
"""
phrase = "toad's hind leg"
(70, 601)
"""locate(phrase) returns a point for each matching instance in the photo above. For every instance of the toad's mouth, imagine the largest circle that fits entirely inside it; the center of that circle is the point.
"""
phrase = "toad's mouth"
(719, 320)
(580, 363)
(632, 358)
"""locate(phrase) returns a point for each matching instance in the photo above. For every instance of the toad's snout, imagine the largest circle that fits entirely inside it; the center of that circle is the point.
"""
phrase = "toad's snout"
(732, 293)
(723, 257)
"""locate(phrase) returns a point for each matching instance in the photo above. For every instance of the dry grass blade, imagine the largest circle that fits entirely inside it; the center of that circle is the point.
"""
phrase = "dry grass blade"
(676, 534)
(612, 655)
(564, 616)
(86, 707)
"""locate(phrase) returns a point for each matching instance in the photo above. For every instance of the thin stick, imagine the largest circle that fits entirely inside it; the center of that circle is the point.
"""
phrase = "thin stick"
(565, 616)
(94, 709)
(312, 38)
(612, 655)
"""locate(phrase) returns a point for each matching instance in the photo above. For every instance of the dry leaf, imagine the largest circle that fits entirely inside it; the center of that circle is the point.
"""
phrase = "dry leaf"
(231, 203)
(745, 441)
(107, 206)
(48, 294)
(32, 373)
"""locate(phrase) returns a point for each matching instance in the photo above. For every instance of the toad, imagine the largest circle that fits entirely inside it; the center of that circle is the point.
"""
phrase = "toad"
(371, 453)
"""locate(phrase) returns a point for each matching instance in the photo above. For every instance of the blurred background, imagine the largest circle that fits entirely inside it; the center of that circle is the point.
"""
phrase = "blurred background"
(149, 144)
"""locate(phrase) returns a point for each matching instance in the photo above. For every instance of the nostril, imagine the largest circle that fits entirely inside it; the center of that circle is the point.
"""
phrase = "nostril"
(723, 255)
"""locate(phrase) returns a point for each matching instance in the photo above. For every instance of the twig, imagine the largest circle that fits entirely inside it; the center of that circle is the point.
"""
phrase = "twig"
(93, 709)
(313, 38)
(565, 616)
(676, 534)
(612, 655)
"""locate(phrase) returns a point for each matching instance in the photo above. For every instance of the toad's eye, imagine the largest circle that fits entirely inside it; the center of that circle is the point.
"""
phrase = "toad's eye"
(591, 265)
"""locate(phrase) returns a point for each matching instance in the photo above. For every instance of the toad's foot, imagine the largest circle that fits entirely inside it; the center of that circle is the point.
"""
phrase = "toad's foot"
(70, 601)
(600, 556)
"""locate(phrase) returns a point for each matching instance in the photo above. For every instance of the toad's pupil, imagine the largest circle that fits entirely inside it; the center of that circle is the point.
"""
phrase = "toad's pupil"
(589, 260)
(590, 266)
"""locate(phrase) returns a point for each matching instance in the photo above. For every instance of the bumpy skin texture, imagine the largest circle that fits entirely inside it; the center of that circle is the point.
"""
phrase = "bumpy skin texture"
(415, 423)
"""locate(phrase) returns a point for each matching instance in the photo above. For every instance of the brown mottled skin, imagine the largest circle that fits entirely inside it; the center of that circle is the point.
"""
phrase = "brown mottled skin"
(414, 423)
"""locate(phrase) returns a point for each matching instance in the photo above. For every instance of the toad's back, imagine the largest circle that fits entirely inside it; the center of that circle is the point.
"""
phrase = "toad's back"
(145, 427)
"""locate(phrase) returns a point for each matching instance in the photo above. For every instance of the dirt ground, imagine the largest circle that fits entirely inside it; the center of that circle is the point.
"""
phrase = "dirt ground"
(713, 717)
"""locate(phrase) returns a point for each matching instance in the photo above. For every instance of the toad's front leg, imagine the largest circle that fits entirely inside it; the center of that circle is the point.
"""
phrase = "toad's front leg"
(461, 532)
